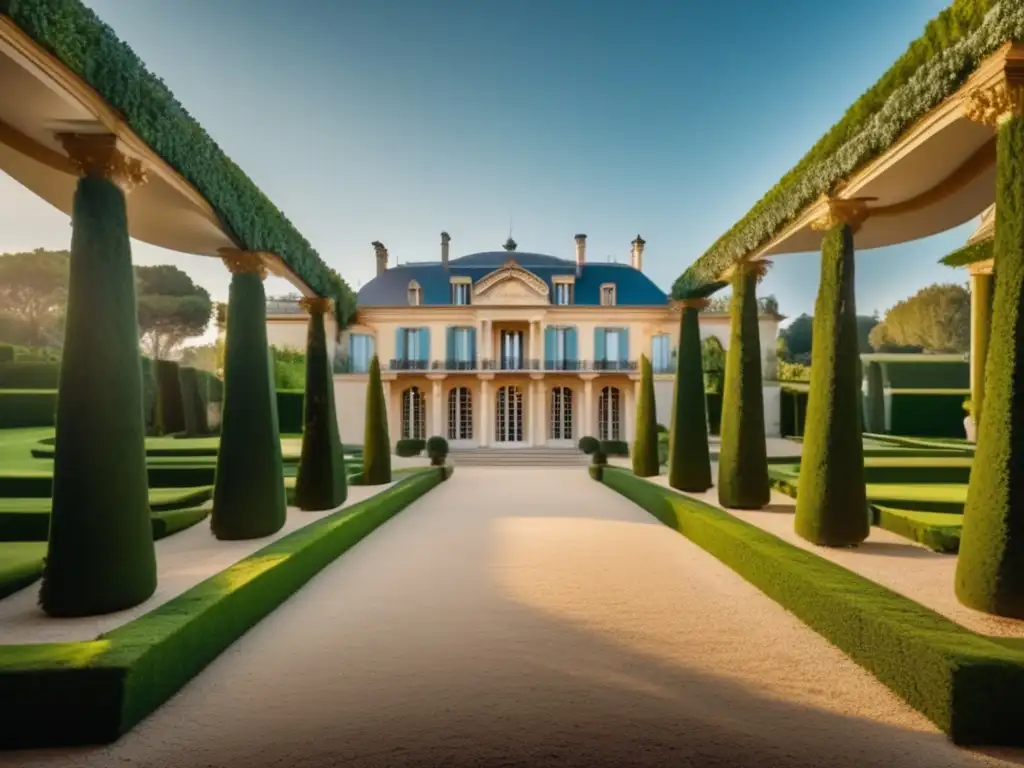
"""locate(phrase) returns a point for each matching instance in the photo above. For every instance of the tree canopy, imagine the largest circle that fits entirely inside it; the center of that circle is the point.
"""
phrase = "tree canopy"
(172, 308)
(935, 319)
(33, 293)
(795, 341)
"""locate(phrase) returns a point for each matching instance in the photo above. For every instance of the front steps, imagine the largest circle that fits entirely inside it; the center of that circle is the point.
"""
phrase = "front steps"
(541, 456)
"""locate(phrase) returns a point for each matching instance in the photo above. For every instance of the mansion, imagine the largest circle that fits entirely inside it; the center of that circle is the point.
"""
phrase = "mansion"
(507, 348)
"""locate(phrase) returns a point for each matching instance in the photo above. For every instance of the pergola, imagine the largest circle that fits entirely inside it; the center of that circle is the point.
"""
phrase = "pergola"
(943, 143)
(87, 128)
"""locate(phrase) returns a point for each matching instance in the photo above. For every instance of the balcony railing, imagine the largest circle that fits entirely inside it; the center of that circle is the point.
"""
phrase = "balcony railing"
(512, 364)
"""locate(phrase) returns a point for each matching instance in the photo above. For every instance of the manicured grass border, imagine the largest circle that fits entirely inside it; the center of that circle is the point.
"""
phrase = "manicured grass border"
(939, 531)
(968, 685)
(92, 692)
(21, 563)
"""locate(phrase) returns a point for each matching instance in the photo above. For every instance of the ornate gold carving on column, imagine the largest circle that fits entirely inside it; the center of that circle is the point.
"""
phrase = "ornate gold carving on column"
(98, 155)
(994, 104)
(852, 212)
(316, 305)
(241, 262)
(758, 268)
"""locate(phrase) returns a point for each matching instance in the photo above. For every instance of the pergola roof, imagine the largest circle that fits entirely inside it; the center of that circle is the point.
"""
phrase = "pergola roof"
(64, 71)
(919, 162)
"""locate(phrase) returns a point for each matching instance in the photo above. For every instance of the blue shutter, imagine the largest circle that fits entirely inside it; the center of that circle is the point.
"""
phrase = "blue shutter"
(623, 344)
(550, 342)
(424, 344)
(400, 335)
(371, 350)
(472, 348)
(451, 353)
(570, 347)
(599, 344)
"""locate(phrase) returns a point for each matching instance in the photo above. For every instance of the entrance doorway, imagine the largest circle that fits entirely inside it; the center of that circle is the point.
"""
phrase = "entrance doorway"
(508, 422)
(560, 428)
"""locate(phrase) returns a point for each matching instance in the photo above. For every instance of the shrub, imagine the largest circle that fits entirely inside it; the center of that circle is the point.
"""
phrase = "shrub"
(831, 505)
(615, 447)
(376, 442)
(27, 408)
(193, 403)
(29, 375)
(437, 450)
(598, 458)
(150, 413)
(589, 445)
(645, 453)
(6, 353)
(289, 410)
(743, 460)
(169, 398)
(410, 447)
(662, 429)
(689, 457)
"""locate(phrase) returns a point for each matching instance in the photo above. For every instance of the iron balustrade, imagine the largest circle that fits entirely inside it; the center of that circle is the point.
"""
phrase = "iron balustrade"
(515, 364)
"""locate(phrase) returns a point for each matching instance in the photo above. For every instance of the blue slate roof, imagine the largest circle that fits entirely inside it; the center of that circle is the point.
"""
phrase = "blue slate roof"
(633, 288)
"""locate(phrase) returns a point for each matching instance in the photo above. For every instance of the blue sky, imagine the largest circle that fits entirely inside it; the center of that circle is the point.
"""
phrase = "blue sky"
(395, 119)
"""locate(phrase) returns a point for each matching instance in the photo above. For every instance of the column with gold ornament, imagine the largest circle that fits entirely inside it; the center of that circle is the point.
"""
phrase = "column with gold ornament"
(689, 456)
(990, 565)
(321, 482)
(100, 556)
(743, 460)
(831, 506)
(248, 494)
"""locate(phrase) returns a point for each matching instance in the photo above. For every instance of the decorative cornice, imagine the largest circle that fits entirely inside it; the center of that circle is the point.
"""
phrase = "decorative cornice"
(994, 104)
(241, 262)
(511, 271)
(852, 212)
(316, 305)
(94, 154)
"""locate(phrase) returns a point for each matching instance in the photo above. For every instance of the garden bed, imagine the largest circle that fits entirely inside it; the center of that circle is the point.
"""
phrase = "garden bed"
(141, 660)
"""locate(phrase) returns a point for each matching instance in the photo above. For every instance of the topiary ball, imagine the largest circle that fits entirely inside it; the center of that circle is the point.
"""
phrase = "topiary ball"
(589, 445)
(437, 450)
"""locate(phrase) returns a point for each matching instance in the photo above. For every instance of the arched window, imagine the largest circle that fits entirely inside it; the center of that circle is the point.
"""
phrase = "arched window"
(609, 418)
(415, 294)
(561, 413)
(414, 416)
(460, 414)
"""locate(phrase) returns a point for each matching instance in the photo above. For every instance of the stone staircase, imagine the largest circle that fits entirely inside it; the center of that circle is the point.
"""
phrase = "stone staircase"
(540, 456)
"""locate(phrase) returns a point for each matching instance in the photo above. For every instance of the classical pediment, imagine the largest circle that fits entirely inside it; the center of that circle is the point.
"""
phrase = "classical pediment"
(511, 285)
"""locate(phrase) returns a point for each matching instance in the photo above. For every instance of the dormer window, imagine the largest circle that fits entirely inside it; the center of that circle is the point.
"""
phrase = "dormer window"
(415, 294)
(461, 291)
(563, 291)
(608, 295)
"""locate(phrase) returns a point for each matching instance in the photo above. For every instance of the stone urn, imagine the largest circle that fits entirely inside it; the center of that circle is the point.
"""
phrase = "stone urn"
(969, 427)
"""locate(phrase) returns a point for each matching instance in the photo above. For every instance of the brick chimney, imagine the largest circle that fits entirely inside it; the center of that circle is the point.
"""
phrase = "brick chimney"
(637, 257)
(382, 256)
(445, 239)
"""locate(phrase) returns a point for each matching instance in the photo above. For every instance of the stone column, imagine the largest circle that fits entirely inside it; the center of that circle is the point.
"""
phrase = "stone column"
(321, 482)
(981, 323)
(484, 416)
(588, 429)
(436, 410)
(248, 494)
(831, 507)
(537, 432)
(990, 565)
(533, 345)
(390, 410)
(100, 556)
(743, 461)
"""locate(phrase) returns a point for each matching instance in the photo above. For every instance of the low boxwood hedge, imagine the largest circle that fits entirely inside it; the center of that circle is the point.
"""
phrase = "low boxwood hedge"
(290, 416)
(29, 375)
(409, 447)
(939, 531)
(967, 684)
(27, 408)
(126, 674)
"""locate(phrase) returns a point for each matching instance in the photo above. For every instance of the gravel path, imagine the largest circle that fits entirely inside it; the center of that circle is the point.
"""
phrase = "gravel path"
(527, 617)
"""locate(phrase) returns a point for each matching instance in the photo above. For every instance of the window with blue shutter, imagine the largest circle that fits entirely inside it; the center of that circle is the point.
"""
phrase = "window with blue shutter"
(661, 353)
(571, 349)
(611, 348)
(623, 348)
(360, 352)
(600, 349)
(424, 348)
(449, 346)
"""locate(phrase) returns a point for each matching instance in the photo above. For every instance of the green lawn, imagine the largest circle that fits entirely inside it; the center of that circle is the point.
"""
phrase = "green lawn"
(939, 531)
(21, 563)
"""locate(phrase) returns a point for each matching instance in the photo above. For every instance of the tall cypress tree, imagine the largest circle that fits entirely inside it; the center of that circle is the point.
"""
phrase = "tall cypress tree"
(689, 459)
(831, 502)
(645, 447)
(321, 482)
(990, 566)
(376, 442)
(743, 458)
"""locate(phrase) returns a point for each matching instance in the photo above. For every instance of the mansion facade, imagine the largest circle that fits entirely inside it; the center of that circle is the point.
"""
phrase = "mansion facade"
(511, 349)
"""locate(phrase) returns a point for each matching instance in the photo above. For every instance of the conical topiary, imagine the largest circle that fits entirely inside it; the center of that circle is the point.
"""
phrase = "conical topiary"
(689, 458)
(743, 458)
(831, 502)
(376, 442)
(645, 446)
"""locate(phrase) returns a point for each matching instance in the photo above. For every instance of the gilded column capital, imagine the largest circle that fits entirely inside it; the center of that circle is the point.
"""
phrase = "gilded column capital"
(316, 305)
(97, 154)
(994, 104)
(241, 262)
(698, 304)
(852, 212)
(757, 267)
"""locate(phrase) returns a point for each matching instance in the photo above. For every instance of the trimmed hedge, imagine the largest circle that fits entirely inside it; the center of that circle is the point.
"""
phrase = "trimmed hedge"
(150, 415)
(614, 448)
(100, 493)
(27, 408)
(170, 401)
(915, 372)
(689, 457)
(645, 446)
(376, 442)
(874, 416)
(939, 531)
(21, 563)
(29, 375)
(6, 353)
(743, 459)
(714, 405)
(966, 684)
(410, 447)
(792, 411)
(832, 508)
(990, 568)
(193, 401)
(129, 672)
(89, 48)
(290, 404)
(437, 450)
(923, 414)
